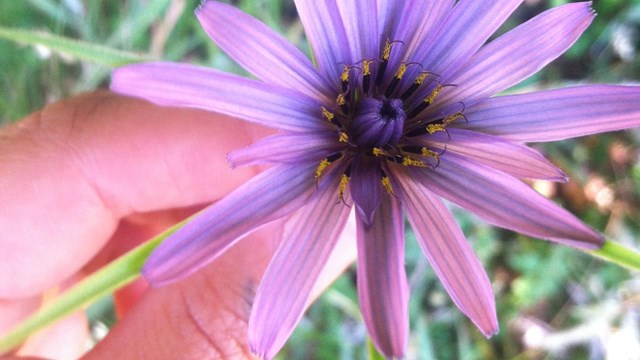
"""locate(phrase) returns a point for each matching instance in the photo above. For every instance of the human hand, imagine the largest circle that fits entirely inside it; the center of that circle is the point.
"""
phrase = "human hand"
(86, 179)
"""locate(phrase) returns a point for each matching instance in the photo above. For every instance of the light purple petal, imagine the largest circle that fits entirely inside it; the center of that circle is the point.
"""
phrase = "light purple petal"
(519, 53)
(174, 84)
(260, 50)
(266, 197)
(360, 19)
(512, 158)
(309, 237)
(558, 114)
(467, 28)
(288, 148)
(325, 31)
(383, 292)
(449, 254)
(506, 202)
(415, 23)
(366, 187)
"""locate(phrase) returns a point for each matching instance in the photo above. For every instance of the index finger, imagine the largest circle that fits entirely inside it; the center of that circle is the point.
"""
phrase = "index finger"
(72, 170)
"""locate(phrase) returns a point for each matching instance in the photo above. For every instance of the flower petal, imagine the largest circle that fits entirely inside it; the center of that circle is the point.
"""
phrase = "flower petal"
(360, 19)
(449, 254)
(383, 292)
(260, 50)
(468, 26)
(558, 114)
(519, 53)
(289, 148)
(198, 87)
(415, 24)
(506, 202)
(267, 197)
(326, 33)
(366, 187)
(512, 158)
(309, 237)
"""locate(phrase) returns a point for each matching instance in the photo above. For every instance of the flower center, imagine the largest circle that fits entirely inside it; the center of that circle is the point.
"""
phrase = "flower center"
(382, 121)
(377, 123)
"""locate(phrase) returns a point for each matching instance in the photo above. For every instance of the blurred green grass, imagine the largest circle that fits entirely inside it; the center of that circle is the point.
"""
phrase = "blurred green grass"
(553, 302)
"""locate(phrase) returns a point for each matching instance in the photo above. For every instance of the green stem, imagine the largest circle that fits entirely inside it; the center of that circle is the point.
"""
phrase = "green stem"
(615, 253)
(112, 277)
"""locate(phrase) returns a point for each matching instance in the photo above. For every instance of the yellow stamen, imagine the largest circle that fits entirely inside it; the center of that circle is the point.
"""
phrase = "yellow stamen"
(407, 161)
(432, 128)
(366, 67)
(401, 70)
(341, 100)
(386, 184)
(327, 114)
(420, 79)
(430, 153)
(386, 53)
(451, 118)
(377, 151)
(344, 180)
(324, 164)
(345, 74)
(344, 138)
(431, 98)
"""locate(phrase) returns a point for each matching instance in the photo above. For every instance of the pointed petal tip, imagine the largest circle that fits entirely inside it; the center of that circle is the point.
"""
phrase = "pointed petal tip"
(366, 214)
(489, 333)
(561, 177)
(147, 274)
(257, 355)
(231, 161)
(490, 328)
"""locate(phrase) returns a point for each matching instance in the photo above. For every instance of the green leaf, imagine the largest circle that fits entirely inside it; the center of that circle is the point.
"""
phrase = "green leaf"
(75, 48)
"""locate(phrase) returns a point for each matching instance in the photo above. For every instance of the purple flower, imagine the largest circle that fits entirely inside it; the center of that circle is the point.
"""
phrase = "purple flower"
(397, 114)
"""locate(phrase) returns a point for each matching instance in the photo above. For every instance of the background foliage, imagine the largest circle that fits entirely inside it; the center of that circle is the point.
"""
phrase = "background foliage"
(553, 302)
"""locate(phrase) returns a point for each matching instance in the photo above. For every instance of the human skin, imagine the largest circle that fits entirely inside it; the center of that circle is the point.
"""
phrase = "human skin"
(86, 179)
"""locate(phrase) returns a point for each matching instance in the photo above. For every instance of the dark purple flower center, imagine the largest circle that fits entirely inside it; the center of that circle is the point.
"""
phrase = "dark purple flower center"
(377, 123)
(382, 121)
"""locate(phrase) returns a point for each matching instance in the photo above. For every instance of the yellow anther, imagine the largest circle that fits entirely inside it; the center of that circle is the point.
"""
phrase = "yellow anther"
(344, 138)
(431, 98)
(451, 118)
(324, 164)
(386, 184)
(366, 67)
(401, 70)
(407, 161)
(345, 74)
(430, 153)
(327, 114)
(432, 128)
(377, 151)
(420, 79)
(386, 53)
(344, 180)
(341, 99)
